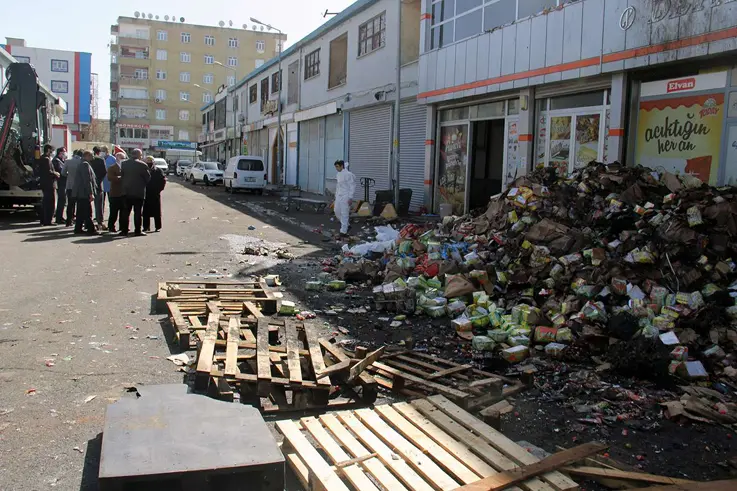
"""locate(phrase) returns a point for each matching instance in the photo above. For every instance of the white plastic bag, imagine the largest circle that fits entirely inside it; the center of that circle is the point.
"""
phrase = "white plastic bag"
(386, 233)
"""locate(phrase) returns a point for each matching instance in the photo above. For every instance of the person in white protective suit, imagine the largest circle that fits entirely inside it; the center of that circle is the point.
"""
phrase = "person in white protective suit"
(344, 191)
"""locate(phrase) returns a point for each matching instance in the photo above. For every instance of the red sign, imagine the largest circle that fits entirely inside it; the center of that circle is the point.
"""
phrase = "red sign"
(681, 84)
(134, 126)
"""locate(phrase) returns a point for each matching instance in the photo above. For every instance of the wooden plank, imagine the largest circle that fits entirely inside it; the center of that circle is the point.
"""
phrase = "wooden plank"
(442, 389)
(449, 371)
(421, 463)
(300, 469)
(214, 308)
(340, 355)
(427, 445)
(341, 366)
(204, 358)
(318, 364)
(179, 324)
(353, 472)
(253, 379)
(728, 485)
(252, 309)
(318, 468)
(500, 441)
(200, 282)
(293, 363)
(277, 363)
(262, 357)
(553, 462)
(359, 367)
(491, 455)
(597, 472)
(401, 469)
(231, 353)
(372, 465)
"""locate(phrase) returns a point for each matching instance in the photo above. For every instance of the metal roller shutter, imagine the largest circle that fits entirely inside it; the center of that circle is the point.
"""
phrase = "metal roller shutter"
(412, 129)
(369, 147)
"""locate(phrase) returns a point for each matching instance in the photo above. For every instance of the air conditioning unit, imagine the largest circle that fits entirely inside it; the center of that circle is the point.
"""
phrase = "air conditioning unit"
(241, 118)
(158, 101)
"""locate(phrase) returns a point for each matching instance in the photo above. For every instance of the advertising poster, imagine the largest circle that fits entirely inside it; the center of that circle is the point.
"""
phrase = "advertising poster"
(682, 135)
(512, 152)
(587, 139)
(453, 164)
(542, 135)
(560, 143)
(730, 176)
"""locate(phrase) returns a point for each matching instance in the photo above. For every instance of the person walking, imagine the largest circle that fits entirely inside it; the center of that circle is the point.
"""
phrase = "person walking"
(344, 191)
(115, 193)
(70, 172)
(61, 184)
(84, 190)
(48, 177)
(134, 178)
(152, 204)
(100, 169)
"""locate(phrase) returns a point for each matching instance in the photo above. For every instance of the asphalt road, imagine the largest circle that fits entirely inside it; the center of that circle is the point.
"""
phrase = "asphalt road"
(77, 326)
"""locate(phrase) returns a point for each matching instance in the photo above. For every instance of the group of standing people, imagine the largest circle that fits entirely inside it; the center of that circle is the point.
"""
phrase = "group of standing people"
(89, 179)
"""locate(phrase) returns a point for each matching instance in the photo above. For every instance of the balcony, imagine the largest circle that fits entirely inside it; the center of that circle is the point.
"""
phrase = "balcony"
(125, 101)
(133, 80)
(132, 61)
(114, 48)
(114, 83)
(114, 29)
(133, 41)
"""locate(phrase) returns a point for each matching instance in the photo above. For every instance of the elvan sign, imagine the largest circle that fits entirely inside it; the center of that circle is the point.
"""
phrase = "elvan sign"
(680, 85)
(697, 83)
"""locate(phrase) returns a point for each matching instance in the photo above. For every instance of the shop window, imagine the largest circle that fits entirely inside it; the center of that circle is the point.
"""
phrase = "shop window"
(513, 107)
(491, 110)
(442, 35)
(572, 101)
(467, 25)
(456, 114)
(466, 5)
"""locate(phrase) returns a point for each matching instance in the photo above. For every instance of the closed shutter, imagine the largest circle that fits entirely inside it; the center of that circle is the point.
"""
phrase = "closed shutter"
(412, 129)
(311, 161)
(369, 147)
(333, 148)
(304, 153)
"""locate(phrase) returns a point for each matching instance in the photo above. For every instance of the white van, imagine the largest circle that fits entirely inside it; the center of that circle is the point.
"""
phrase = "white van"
(245, 172)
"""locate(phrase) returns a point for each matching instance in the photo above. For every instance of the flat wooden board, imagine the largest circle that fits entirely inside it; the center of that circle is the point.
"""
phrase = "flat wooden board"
(295, 368)
(597, 472)
(204, 358)
(442, 389)
(337, 352)
(262, 352)
(359, 367)
(231, 354)
(313, 346)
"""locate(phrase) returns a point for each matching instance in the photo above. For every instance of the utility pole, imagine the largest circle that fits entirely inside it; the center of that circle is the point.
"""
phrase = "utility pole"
(397, 102)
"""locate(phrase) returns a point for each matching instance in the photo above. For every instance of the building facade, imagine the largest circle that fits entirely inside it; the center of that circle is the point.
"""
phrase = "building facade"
(336, 88)
(513, 85)
(163, 71)
(66, 73)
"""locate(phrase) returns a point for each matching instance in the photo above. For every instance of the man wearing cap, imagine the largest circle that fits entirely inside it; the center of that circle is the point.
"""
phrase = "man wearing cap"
(61, 195)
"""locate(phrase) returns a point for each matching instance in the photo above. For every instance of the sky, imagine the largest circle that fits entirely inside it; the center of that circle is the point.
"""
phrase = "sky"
(84, 25)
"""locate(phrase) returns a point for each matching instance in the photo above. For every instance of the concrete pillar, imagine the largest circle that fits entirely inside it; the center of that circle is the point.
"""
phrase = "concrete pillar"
(617, 117)
(425, 22)
(526, 131)
(430, 146)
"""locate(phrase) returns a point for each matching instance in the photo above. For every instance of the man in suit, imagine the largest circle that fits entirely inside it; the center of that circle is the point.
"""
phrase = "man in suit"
(61, 197)
(100, 169)
(70, 172)
(84, 190)
(115, 192)
(48, 177)
(135, 175)
(152, 205)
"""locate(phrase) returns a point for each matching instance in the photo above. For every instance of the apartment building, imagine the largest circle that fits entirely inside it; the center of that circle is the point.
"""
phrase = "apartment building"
(67, 74)
(163, 71)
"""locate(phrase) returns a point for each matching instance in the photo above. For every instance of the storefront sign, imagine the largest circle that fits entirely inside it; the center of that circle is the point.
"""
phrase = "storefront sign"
(219, 135)
(134, 126)
(270, 107)
(176, 145)
(696, 83)
(130, 143)
(672, 9)
(453, 165)
(682, 135)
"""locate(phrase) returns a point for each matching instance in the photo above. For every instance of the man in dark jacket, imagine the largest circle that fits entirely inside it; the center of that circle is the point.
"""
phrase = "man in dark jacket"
(83, 192)
(61, 197)
(117, 200)
(100, 169)
(134, 178)
(152, 205)
(48, 177)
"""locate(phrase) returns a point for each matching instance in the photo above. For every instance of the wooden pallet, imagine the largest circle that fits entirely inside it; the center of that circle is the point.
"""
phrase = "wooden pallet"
(424, 445)
(272, 363)
(194, 293)
(418, 374)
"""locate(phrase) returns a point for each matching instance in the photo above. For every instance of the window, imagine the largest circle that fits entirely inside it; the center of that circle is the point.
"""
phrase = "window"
(208, 78)
(231, 80)
(60, 66)
(22, 59)
(372, 34)
(312, 64)
(183, 135)
(186, 38)
(251, 164)
(253, 93)
(160, 134)
(161, 94)
(232, 61)
(293, 83)
(338, 62)
(260, 46)
(140, 133)
(259, 63)
(184, 115)
(209, 59)
(133, 93)
(183, 96)
(184, 77)
(209, 41)
(141, 74)
(264, 91)
(232, 42)
(161, 114)
(185, 57)
(161, 54)
(162, 35)
(275, 82)
(60, 86)
(160, 74)
(206, 97)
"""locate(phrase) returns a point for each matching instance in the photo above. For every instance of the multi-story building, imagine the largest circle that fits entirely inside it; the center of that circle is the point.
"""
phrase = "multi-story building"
(66, 73)
(163, 71)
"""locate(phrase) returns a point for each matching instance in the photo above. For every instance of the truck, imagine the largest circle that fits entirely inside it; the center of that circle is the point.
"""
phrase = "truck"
(24, 129)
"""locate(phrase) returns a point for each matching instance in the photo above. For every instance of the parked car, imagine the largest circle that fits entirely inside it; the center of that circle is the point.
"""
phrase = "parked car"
(245, 172)
(207, 172)
(183, 167)
(161, 165)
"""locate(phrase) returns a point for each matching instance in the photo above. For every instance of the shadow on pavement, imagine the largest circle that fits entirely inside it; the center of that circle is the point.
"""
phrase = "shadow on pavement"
(91, 469)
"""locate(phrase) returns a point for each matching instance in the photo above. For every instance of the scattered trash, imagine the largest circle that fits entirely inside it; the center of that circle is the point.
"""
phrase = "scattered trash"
(89, 398)
(180, 360)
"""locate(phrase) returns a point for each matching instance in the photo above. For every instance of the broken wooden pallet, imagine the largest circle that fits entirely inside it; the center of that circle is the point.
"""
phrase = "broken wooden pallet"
(196, 293)
(427, 444)
(273, 363)
(419, 374)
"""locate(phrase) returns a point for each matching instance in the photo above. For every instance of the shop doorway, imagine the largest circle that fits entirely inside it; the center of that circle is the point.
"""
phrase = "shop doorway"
(275, 162)
(487, 161)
